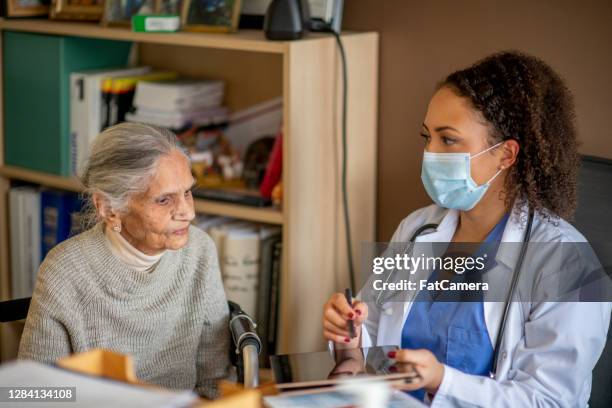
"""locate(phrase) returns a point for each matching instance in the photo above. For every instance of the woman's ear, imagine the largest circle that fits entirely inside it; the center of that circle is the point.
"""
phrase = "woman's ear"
(510, 151)
(104, 210)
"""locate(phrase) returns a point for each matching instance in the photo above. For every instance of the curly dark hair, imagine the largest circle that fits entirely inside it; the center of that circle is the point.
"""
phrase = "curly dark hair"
(522, 98)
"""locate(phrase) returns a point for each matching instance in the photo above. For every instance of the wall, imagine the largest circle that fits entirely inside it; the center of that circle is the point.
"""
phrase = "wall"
(423, 41)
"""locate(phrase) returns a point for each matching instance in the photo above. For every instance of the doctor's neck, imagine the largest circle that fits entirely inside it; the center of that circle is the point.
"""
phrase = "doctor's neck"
(474, 225)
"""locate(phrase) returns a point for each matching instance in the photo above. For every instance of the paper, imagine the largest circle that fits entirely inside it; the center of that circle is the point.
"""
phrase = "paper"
(91, 392)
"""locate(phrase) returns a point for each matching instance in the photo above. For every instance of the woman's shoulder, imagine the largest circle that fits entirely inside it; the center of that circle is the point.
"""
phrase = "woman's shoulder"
(551, 228)
(69, 253)
(62, 273)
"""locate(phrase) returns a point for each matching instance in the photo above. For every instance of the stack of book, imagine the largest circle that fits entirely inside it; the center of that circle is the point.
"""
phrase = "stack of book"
(250, 262)
(179, 104)
(99, 99)
(40, 219)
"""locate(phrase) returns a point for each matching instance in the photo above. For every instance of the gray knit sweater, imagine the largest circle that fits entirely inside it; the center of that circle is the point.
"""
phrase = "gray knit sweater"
(173, 321)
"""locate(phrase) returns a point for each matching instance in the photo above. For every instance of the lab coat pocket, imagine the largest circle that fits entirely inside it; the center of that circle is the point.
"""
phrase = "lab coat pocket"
(469, 350)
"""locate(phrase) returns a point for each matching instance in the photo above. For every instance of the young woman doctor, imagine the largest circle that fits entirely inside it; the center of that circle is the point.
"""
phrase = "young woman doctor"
(500, 142)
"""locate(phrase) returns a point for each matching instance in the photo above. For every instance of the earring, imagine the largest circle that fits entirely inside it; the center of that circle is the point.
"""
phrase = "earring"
(117, 228)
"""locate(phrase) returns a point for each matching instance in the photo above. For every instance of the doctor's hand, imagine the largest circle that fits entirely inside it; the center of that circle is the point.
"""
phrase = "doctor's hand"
(336, 315)
(430, 370)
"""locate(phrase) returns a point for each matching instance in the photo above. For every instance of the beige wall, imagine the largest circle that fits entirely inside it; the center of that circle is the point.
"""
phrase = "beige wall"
(423, 41)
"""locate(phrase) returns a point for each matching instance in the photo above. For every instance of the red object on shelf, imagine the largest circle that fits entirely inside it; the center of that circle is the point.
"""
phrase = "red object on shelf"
(274, 169)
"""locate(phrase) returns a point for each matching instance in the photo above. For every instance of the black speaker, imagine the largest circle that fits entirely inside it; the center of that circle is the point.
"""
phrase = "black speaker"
(286, 19)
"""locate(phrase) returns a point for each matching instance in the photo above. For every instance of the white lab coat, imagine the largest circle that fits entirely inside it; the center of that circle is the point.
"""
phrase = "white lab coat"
(548, 350)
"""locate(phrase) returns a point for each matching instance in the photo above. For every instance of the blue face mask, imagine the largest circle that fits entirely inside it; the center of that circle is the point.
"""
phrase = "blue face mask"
(448, 180)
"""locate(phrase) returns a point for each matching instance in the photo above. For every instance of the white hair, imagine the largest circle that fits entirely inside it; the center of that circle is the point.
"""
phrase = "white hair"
(122, 160)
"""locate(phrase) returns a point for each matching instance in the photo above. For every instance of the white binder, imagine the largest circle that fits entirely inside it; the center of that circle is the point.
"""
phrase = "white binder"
(86, 109)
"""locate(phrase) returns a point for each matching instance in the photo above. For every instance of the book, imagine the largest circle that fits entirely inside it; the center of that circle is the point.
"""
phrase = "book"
(269, 238)
(275, 285)
(24, 206)
(60, 215)
(241, 268)
(177, 119)
(86, 108)
(219, 232)
(32, 204)
(18, 289)
(179, 94)
(118, 94)
(250, 262)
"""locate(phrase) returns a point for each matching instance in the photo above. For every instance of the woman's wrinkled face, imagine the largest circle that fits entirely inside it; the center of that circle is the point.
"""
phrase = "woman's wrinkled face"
(159, 218)
(452, 126)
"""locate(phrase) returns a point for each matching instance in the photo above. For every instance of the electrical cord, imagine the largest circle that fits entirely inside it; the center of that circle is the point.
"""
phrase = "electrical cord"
(317, 25)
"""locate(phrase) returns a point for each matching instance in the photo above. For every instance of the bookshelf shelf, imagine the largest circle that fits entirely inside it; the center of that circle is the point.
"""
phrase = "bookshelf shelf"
(307, 75)
(243, 40)
(267, 215)
(44, 179)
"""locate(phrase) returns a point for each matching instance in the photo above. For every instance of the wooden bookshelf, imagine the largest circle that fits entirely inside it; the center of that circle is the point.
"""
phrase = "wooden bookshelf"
(306, 73)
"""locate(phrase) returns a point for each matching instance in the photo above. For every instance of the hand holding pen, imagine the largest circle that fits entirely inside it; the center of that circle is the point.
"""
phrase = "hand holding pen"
(342, 319)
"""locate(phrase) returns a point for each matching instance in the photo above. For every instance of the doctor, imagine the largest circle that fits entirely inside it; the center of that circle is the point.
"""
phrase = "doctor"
(500, 142)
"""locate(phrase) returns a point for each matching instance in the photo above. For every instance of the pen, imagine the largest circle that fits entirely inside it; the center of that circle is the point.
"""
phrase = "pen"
(348, 294)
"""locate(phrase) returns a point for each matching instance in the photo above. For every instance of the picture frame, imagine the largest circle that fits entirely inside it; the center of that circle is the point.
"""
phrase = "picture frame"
(120, 12)
(25, 8)
(81, 10)
(212, 16)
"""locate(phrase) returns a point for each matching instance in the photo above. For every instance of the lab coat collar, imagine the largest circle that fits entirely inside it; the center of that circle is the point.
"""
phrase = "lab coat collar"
(446, 228)
(514, 232)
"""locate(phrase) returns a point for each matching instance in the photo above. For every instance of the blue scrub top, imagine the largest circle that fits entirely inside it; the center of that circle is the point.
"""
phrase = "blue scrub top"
(455, 332)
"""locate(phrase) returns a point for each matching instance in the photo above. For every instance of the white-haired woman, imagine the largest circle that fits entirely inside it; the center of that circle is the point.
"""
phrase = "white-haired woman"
(141, 281)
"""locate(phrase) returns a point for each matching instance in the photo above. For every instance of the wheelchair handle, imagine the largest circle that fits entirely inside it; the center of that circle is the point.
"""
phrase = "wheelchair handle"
(246, 343)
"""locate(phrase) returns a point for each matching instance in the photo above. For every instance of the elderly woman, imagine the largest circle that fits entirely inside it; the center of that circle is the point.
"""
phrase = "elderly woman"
(141, 281)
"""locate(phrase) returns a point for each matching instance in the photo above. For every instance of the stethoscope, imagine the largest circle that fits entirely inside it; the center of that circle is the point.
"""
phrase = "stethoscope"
(515, 279)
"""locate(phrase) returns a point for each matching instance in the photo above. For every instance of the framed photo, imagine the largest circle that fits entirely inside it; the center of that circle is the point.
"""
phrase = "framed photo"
(26, 8)
(86, 10)
(120, 12)
(217, 16)
(169, 7)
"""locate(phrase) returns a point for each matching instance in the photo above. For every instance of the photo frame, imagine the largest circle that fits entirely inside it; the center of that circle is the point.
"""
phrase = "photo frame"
(25, 8)
(120, 12)
(213, 16)
(82, 10)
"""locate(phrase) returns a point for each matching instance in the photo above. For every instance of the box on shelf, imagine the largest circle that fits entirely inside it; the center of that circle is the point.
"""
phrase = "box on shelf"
(37, 95)
(156, 23)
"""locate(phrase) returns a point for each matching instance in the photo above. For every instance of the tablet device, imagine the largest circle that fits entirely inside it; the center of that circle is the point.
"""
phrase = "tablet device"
(327, 368)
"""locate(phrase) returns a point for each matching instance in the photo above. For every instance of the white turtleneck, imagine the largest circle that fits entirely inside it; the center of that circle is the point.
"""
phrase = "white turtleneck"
(129, 255)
